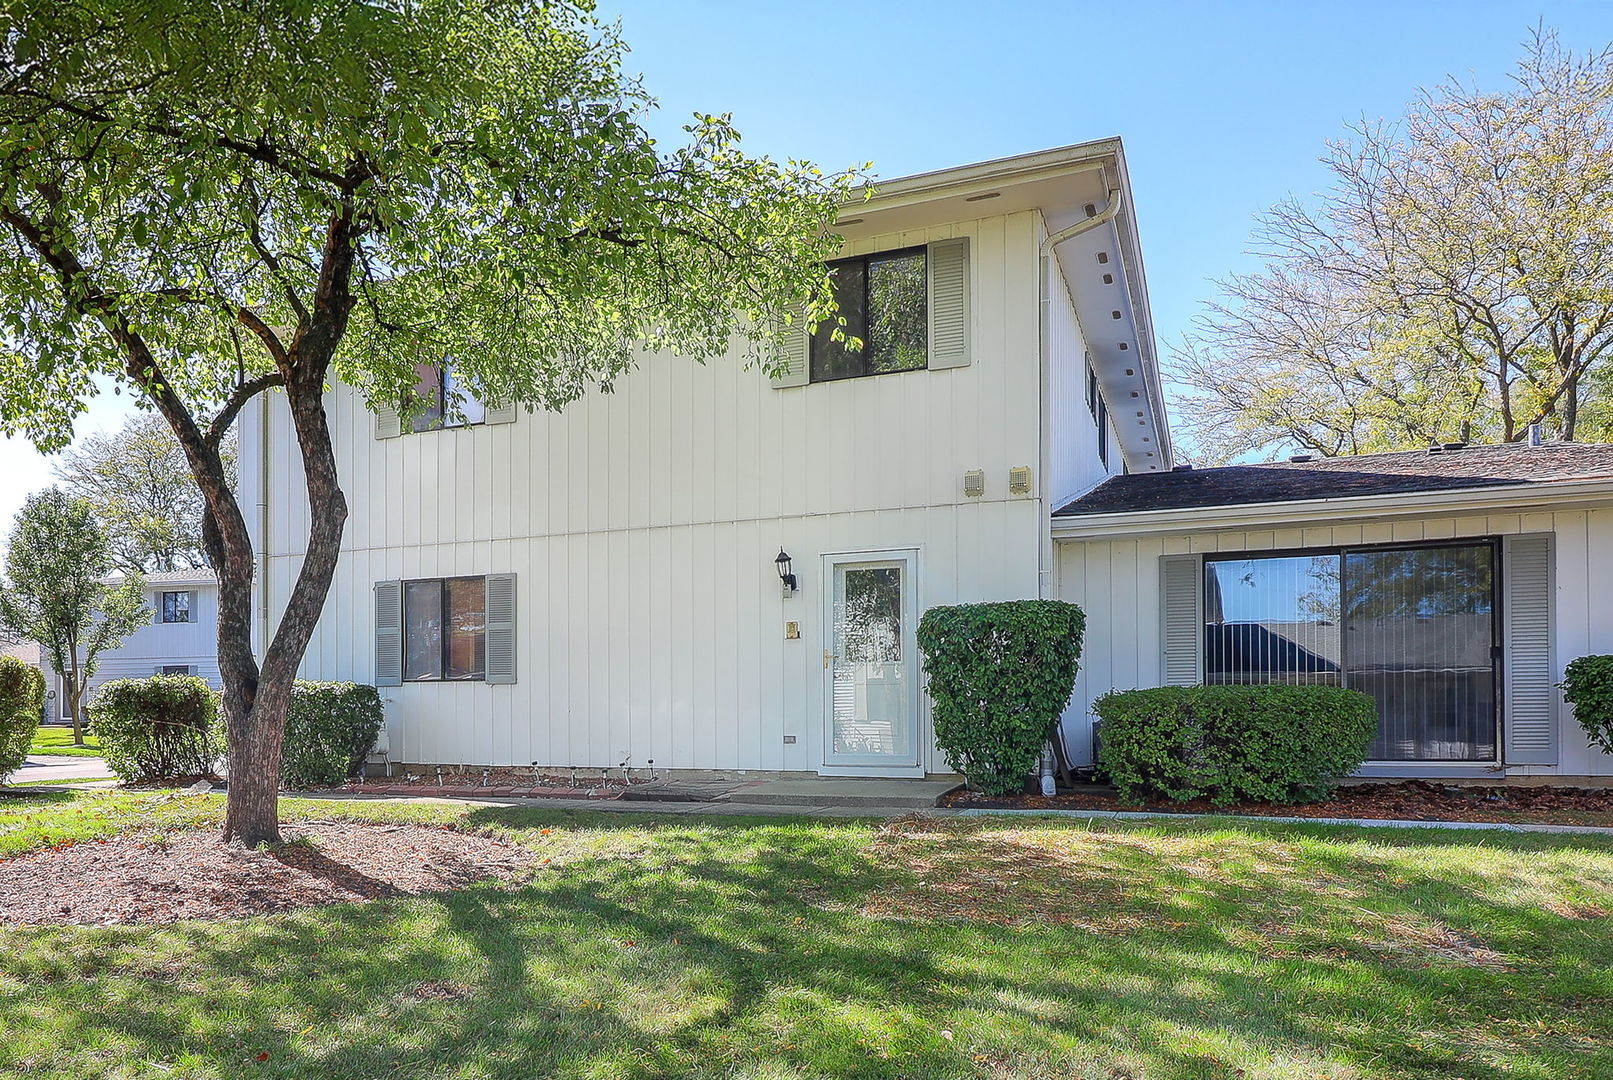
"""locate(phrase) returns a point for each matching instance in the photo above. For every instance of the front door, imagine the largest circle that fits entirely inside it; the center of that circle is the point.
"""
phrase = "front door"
(870, 662)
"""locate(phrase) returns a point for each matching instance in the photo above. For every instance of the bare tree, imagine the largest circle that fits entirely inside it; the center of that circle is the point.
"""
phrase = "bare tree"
(1455, 282)
(143, 495)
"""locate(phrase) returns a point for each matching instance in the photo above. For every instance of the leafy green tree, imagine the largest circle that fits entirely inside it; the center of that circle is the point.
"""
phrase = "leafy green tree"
(1456, 282)
(143, 494)
(57, 594)
(208, 202)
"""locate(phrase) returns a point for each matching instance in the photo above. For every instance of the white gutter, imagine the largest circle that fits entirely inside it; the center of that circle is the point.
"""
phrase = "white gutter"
(1514, 498)
(1044, 332)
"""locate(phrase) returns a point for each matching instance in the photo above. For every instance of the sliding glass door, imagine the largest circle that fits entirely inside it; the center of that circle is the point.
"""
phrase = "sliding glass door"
(1414, 627)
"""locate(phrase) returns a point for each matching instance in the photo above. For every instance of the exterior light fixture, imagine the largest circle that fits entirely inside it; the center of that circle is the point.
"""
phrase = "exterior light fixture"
(784, 575)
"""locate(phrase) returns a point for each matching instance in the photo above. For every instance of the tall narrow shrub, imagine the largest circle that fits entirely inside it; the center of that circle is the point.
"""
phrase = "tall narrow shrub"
(22, 702)
(1000, 674)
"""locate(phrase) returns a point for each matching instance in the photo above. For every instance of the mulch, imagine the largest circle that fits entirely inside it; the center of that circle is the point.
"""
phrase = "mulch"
(1406, 800)
(137, 878)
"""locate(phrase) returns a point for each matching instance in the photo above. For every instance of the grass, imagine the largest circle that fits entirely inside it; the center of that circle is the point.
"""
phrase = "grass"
(780, 949)
(58, 739)
(59, 783)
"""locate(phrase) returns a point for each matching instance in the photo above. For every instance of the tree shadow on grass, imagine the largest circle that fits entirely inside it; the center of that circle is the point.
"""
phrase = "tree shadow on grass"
(720, 948)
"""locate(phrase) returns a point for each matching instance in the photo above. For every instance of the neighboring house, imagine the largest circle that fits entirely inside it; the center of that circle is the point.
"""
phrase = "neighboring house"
(180, 639)
(603, 587)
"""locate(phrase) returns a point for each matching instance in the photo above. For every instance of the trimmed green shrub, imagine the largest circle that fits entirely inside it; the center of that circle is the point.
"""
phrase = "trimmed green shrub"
(1233, 743)
(22, 702)
(1588, 686)
(999, 676)
(157, 728)
(331, 728)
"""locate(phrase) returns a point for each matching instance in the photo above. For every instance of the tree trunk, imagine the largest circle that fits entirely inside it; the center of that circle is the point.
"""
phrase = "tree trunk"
(75, 700)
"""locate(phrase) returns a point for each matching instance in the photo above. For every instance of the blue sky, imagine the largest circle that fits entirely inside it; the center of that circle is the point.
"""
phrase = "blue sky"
(1224, 107)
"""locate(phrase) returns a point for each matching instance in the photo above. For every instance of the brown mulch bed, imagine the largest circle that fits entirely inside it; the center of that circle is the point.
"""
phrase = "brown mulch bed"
(191, 875)
(1405, 800)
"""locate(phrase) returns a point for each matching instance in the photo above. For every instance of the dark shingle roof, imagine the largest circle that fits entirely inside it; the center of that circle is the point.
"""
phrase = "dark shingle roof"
(1342, 477)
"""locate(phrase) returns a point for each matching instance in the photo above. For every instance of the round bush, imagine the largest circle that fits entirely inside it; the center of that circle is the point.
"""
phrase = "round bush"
(22, 703)
(999, 676)
(158, 728)
(1233, 743)
(1588, 686)
(331, 727)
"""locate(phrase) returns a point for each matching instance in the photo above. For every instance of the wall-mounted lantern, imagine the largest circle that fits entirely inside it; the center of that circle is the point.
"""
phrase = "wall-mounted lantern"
(784, 575)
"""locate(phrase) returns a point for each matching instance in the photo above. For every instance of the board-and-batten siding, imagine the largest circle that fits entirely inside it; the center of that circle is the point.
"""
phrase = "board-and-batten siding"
(641, 527)
(155, 645)
(1117, 582)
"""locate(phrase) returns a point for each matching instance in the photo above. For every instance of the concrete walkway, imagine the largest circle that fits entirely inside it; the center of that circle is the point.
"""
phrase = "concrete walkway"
(60, 768)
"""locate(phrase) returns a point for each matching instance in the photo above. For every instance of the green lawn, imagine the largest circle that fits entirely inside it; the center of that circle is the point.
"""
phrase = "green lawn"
(55, 739)
(709, 947)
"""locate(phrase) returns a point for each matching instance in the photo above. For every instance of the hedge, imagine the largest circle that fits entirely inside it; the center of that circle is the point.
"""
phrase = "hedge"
(331, 727)
(999, 676)
(22, 703)
(1233, 743)
(1588, 686)
(158, 728)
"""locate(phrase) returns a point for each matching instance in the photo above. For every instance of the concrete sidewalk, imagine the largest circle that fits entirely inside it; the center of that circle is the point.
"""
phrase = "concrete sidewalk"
(60, 769)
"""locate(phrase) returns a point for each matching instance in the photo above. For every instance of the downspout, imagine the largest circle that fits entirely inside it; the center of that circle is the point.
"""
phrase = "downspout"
(1044, 544)
(263, 525)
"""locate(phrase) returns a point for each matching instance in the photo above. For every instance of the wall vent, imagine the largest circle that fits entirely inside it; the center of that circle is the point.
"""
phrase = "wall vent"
(1019, 480)
(974, 483)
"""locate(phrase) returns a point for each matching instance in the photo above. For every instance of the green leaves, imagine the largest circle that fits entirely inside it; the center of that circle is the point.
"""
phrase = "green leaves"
(22, 704)
(161, 727)
(999, 677)
(1588, 686)
(1232, 743)
(331, 727)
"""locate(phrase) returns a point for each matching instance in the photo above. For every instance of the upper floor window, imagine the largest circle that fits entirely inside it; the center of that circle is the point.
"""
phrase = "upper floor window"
(884, 301)
(176, 607)
(445, 629)
(447, 402)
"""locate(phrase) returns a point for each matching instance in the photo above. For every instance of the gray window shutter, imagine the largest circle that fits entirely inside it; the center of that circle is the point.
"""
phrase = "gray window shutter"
(156, 608)
(389, 633)
(192, 611)
(1530, 692)
(949, 303)
(388, 423)
(1181, 619)
(500, 414)
(797, 346)
(500, 628)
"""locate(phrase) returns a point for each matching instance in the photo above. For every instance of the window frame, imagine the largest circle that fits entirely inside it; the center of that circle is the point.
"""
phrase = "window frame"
(435, 417)
(1498, 641)
(163, 608)
(443, 624)
(813, 347)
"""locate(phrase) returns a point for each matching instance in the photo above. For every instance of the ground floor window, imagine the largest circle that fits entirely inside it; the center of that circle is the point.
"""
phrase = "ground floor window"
(445, 629)
(1414, 627)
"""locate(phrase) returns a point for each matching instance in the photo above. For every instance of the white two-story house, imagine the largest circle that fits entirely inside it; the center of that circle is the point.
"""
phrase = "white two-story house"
(712, 570)
(604, 585)
(180, 638)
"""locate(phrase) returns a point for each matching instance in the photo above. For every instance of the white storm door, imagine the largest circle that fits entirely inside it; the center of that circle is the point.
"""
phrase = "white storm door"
(871, 661)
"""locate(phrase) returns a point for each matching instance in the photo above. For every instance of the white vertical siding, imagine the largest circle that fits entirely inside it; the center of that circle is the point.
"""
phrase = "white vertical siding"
(642, 526)
(1116, 583)
(1074, 467)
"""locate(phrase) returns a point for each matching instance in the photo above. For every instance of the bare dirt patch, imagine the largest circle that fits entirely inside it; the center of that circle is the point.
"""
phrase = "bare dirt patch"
(191, 875)
(1410, 800)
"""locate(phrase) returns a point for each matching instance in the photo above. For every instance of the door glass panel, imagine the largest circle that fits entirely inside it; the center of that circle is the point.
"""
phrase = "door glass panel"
(1419, 637)
(870, 713)
(1272, 620)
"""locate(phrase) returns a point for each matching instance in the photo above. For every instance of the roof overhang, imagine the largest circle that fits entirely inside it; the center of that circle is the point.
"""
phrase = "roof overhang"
(1588, 494)
(1066, 185)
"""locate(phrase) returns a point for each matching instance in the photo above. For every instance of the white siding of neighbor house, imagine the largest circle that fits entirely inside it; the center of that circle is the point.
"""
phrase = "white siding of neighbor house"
(156, 645)
(1117, 583)
(642, 527)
